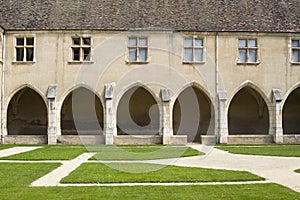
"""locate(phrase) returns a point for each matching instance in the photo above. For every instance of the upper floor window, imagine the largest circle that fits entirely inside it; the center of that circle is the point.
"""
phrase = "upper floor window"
(248, 51)
(24, 49)
(193, 50)
(138, 49)
(81, 49)
(296, 51)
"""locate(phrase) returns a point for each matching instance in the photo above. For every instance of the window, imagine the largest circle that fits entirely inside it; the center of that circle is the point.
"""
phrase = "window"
(193, 50)
(138, 49)
(24, 49)
(81, 49)
(248, 51)
(296, 51)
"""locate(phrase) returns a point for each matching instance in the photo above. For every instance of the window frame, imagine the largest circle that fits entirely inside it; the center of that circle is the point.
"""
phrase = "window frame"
(25, 46)
(193, 47)
(248, 49)
(137, 47)
(81, 47)
(294, 48)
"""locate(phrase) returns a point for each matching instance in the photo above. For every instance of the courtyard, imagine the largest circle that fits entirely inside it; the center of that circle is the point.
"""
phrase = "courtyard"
(150, 172)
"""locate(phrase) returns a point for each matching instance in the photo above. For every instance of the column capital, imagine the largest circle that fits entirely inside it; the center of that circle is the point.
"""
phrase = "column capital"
(222, 96)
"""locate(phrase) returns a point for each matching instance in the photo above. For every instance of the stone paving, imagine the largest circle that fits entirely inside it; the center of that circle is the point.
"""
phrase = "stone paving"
(275, 169)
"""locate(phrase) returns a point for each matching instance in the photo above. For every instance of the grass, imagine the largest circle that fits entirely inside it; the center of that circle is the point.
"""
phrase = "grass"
(50, 152)
(68, 152)
(15, 178)
(224, 192)
(143, 152)
(141, 172)
(265, 150)
(22, 174)
(7, 146)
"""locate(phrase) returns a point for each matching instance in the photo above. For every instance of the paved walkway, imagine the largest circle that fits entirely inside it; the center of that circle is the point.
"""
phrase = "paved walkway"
(16, 150)
(275, 169)
(53, 178)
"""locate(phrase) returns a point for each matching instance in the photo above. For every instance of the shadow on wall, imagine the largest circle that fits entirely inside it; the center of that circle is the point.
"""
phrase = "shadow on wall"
(193, 114)
(27, 114)
(82, 113)
(138, 113)
(291, 113)
(248, 113)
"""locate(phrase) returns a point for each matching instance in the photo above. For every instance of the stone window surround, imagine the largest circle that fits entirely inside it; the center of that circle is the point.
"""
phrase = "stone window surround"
(193, 47)
(128, 61)
(25, 46)
(81, 47)
(291, 49)
(248, 48)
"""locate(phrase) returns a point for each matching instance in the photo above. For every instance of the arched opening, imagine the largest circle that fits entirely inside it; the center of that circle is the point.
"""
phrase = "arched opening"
(248, 113)
(193, 114)
(82, 113)
(138, 113)
(27, 114)
(291, 113)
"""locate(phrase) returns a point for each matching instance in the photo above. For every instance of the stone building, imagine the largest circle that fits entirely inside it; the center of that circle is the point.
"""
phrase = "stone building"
(140, 72)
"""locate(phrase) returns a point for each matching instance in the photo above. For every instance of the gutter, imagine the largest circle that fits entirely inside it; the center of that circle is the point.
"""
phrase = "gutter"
(217, 84)
(2, 88)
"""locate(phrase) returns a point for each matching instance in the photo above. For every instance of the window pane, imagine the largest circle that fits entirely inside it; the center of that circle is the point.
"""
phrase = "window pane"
(20, 41)
(20, 54)
(76, 41)
(188, 42)
(86, 54)
(76, 54)
(29, 41)
(29, 54)
(252, 56)
(132, 55)
(143, 55)
(295, 43)
(86, 41)
(242, 56)
(198, 42)
(143, 42)
(296, 56)
(252, 43)
(198, 55)
(132, 41)
(242, 43)
(188, 55)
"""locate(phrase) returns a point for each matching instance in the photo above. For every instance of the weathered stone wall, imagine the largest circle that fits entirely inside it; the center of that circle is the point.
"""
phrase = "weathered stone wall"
(53, 66)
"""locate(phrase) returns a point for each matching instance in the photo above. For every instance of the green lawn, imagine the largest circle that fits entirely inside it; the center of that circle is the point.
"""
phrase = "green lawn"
(266, 150)
(22, 174)
(7, 146)
(141, 172)
(224, 192)
(68, 152)
(142, 152)
(15, 178)
(50, 152)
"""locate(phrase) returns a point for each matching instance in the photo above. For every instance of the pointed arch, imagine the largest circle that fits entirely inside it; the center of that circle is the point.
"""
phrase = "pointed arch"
(138, 111)
(248, 111)
(27, 112)
(291, 110)
(193, 113)
(81, 112)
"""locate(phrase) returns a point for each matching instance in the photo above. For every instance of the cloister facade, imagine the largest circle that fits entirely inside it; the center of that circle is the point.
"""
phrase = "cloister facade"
(149, 85)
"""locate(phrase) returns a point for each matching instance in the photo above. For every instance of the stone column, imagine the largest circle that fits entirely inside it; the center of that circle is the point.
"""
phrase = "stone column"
(223, 121)
(167, 131)
(52, 115)
(277, 118)
(110, 127)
